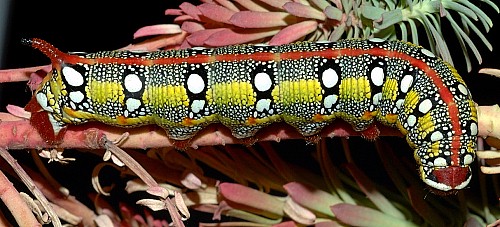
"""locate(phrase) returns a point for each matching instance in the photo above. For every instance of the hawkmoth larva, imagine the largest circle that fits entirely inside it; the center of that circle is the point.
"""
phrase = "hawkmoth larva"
(248, 87)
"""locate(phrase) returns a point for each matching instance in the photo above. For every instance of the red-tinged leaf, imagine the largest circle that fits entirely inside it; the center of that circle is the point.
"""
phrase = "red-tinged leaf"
(173, 12)
(312, 198)
(355, 215)
(192, 27)
(182, 18)
(276, 3)
(36, 78)
(251, 5)
(304, 11)
(249, 19)
(200, 37)
(238, 36)
(294, 32)
(249, 199)
(18, 111)
(216, 12)
(159, 42)
(228, 5)
(190, 10)
(298, 213)
(380, 201)
(160, 29)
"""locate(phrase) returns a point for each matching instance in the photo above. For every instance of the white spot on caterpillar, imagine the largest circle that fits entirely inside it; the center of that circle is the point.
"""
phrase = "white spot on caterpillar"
(133, 83)
(195, 83)
(399, 103)
(473, 129)
(76, 96)
(463, 89)
(197, 105)
(329, 101)
(412, 120)
(132, 104)
(42, 100)
(262, 81)
(263, 104)
(468, 159)
(376, 98)
(56, 125)
(428, 53)
(425, 106)
(440, 161)
(406, 83)
(73, 77)
(329, 78)
(436, 136)
(377, 76)
(198, 48)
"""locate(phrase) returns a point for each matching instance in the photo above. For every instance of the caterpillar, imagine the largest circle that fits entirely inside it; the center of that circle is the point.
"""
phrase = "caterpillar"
(248, 87)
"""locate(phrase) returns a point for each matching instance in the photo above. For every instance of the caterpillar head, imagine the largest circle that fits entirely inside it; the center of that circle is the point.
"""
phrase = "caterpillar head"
(447, 169)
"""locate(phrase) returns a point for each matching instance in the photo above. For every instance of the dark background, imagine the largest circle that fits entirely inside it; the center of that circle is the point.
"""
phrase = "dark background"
(106, 25)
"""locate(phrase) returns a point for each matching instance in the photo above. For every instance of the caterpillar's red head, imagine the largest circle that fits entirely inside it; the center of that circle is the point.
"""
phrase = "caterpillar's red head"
(444, 171)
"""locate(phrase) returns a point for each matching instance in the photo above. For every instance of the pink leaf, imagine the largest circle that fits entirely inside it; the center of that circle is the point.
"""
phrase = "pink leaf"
(173, 12)
(192, 27)
(216, 12)
(36, 78)
(251, 5)
(238, 36)
(311, 198)
(276, 3)
(160, 29)
(249, 199)
(190, 10)
(228, 5)
(18, 112)
(304, 11)
(183, 18)
(294, 32)
(249, 19)
(198, 38)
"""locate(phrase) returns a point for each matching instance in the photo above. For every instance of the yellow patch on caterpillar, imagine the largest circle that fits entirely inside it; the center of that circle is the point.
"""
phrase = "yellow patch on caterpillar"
(297, 91)
(102, 92)
(236, 93)
(390, 89)
(170, 95)
(356, 89)
(411, 101)
(425, 125)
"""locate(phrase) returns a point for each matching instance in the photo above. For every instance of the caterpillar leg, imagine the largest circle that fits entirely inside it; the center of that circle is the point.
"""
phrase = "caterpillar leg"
(51, 130)
(182, 133)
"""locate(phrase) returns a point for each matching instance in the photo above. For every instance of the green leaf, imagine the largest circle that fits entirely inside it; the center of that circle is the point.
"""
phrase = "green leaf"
(363, 216)
(372, 13)
(459, 8)
(390, 18)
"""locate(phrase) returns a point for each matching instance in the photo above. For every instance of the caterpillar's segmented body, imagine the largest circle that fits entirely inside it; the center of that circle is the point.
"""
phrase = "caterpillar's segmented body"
(248, 87)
